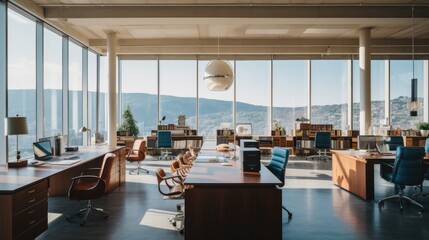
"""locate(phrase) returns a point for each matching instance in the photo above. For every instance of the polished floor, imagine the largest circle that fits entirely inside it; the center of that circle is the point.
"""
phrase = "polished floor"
(320, 210)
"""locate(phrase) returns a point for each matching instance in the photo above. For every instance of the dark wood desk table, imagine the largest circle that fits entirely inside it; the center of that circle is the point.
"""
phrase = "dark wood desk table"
(225, 203)
(353, 171)
(24, 191)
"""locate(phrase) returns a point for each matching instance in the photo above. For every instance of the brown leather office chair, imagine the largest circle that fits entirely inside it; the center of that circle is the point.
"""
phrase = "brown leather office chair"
(90, 187)
(137, 154)
(172, 188)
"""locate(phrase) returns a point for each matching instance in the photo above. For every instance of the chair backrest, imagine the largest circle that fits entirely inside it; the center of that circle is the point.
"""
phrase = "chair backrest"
(164, 139)
(278, 163)
(106, 168)
(322, 140)
(394, 142)
(139, 144)
(408, 166)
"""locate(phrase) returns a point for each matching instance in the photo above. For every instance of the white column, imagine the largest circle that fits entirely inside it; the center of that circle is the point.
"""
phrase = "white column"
(350, 99)
(111, 56)
(387, 92)
(365, 80)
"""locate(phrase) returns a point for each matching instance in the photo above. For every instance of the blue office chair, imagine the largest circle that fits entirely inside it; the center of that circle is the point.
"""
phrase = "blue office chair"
(425, 170)
(407, 170)
(394, 142)
(322, 142)
(164, 143)
(277, 166)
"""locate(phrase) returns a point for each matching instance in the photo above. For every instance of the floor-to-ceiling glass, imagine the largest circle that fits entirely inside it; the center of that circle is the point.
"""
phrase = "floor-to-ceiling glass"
(53, 84)
(21, 79)
(102, 99)
(356, 95)
(140, 92)
(214, 107)
(92, 92)
(178, 79)
(401, 73)
(329, 92)
(290, 92)
(253, 95)
(75, 94)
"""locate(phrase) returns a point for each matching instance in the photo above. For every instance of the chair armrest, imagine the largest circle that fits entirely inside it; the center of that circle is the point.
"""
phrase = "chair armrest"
(132, 150)
(86, 177)
(387, 164)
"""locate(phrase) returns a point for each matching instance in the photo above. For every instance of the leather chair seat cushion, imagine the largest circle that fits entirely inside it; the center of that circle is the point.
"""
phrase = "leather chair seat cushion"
(86, 191)
(134, 158)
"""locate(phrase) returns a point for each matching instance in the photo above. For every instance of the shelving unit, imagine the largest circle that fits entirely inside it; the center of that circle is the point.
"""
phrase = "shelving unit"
(182, 138)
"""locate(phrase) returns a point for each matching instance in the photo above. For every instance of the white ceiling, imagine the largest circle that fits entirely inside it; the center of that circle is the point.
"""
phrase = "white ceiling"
(89, 21)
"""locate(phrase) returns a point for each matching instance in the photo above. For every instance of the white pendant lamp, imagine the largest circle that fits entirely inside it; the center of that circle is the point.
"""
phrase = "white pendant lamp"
(218, 74)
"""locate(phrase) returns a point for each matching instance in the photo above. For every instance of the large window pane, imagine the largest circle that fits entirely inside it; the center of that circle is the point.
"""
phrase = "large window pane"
(253, 94)
(140, 92)
(290, 92)
(92, 91)
(178, 83)
(102, 101)
(356, 95)
(329, 93)
(401, 73)
(53, 94)
(22, 79)
(75, 94)
(214, 107)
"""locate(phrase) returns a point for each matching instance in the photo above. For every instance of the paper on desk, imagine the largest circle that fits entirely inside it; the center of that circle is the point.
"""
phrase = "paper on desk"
(63, 162)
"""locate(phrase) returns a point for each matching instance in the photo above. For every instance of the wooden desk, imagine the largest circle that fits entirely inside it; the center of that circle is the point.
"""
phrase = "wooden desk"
(353, 171)
(224, 203)
(24, 191)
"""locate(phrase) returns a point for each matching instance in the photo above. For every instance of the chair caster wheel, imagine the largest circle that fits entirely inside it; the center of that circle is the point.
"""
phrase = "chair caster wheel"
(174, 224)
(82, 223)
(181, 231)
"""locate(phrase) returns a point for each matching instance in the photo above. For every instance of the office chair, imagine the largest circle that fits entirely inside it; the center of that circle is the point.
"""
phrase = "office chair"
(425, 170)
(172, 188)
(137, 154)
(90, 187)
(164, 142)
(394, 142)
(407, 170)
(322, 142)
(277, 166)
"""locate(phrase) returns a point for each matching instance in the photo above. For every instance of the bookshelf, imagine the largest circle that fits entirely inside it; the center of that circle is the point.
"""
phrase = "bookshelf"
(182, 137)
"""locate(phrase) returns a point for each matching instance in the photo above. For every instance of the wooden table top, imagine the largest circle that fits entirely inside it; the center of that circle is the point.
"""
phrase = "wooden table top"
(370, 157)
(216, 174)
(14, 179)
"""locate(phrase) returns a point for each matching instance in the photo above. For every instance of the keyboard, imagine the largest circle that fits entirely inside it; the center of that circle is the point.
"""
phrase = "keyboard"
(68, 157)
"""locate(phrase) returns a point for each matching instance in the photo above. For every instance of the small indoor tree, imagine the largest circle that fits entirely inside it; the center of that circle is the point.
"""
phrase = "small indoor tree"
(128, 123)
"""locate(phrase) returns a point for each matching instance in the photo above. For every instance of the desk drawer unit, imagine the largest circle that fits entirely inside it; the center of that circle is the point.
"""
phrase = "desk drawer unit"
(24, 214)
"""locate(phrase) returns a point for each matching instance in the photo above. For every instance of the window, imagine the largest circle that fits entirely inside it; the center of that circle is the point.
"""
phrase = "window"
(92, 91)
(140, 92)
(22, 79)
(214, 107)
(178, 81)
(102, 100)
(53, 84)
(290, 91)
(329, 93)
(356, 95)
(401, 73)
(75, 94)
(253, 94)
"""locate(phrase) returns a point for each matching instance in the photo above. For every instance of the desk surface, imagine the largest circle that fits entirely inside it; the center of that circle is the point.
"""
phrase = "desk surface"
(216, 174)
(14, 179)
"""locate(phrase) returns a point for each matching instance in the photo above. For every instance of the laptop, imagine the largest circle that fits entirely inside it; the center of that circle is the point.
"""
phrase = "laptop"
(383, 149)
(42, 150)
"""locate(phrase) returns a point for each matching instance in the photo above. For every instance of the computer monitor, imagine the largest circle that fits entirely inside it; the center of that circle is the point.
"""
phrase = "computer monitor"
(42, 150)
(369, 142)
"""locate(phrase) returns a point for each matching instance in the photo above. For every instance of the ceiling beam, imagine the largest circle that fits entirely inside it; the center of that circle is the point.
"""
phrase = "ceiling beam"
(247, 11)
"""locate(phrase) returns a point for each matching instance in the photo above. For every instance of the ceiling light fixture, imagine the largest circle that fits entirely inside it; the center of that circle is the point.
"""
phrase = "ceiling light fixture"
(218, 74)
(413, 105)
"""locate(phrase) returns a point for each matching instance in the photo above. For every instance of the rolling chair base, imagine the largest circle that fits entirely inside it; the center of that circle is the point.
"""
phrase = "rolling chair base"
(322, 155)
(86, 212)
(401, 197)
(179, 217)
(138, 169)
(288, 212)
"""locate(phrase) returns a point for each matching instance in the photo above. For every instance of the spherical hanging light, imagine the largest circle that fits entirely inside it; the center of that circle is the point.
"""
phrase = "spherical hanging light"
(218, 75)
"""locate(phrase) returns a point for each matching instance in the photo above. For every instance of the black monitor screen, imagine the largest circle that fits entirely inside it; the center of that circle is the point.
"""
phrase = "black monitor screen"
(42, 150)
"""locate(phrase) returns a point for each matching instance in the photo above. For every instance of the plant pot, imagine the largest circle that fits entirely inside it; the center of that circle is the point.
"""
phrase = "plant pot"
(277, 133)
(424, 133)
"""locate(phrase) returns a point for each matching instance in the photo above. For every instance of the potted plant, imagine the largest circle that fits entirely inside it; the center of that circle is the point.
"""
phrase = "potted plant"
(129, 124)
(424, 128)
(278, 128)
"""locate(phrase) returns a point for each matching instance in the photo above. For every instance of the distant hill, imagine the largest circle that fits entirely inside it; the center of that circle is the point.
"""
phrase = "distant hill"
(214, 112)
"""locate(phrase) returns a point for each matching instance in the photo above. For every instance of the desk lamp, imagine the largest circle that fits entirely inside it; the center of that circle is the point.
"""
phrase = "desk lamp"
(84, 129)
(16, 126)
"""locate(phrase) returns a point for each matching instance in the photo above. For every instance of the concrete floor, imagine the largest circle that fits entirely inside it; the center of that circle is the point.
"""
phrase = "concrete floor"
(320, 210)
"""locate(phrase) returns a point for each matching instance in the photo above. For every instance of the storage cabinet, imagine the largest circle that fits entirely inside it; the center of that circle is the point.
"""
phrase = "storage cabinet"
(24, 214)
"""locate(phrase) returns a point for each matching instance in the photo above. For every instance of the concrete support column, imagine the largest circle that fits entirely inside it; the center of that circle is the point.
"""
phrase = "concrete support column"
(365, 80)
(111, 104)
